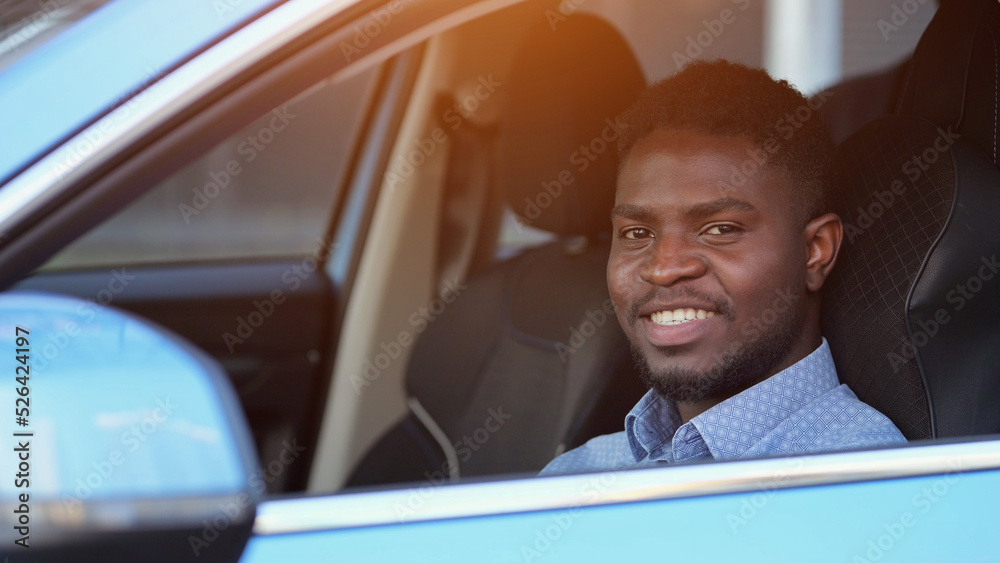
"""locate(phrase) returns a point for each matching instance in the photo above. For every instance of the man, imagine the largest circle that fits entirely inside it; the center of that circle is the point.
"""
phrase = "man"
(721, 244)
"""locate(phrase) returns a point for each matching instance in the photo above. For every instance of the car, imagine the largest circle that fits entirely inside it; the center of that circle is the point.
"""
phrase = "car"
(365, 241)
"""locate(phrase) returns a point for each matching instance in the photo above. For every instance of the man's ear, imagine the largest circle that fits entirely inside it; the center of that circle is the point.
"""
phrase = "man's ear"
(822, 236)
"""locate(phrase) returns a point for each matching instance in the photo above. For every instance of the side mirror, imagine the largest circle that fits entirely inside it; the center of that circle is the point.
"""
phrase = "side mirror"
(120, 441)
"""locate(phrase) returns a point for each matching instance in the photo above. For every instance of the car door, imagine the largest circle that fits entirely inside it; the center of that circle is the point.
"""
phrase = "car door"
(915, 503)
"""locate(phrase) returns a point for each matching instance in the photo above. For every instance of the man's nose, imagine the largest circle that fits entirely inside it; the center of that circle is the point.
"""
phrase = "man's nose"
(671, 261)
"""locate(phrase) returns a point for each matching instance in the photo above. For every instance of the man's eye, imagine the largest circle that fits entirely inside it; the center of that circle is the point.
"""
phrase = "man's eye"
(722, 230)
(636, 233)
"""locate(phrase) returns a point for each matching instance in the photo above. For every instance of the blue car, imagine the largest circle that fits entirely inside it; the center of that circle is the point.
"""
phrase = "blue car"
(321, 280)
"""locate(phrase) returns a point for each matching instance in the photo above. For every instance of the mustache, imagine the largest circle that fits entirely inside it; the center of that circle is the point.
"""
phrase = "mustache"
(721, 305)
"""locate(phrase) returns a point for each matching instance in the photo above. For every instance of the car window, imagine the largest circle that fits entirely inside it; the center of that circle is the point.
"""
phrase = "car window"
(396, 371)
(270, 189)
(266, 191)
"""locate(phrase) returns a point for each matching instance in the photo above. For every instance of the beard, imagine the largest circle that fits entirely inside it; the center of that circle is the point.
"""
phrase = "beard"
(737, 369)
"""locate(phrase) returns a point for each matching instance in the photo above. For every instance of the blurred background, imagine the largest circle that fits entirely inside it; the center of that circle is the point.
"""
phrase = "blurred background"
(790, 38)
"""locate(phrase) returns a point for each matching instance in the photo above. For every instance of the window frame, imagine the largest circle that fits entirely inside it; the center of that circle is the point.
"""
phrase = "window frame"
(518, 495)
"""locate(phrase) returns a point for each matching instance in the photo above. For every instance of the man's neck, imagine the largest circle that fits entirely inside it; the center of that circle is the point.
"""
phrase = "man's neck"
(691, 410)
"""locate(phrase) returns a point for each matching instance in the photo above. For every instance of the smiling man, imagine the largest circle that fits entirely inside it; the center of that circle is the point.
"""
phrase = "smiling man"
(721, 245)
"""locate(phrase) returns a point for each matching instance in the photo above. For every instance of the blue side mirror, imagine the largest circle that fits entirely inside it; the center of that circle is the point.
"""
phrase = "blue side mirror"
(121, 441)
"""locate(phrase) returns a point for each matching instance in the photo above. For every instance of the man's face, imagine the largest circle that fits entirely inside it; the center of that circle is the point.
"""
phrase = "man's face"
(688, 242)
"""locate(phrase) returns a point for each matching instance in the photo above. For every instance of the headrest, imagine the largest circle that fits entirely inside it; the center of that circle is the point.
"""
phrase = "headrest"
(910, 309)
(953, 78)
(557, 153)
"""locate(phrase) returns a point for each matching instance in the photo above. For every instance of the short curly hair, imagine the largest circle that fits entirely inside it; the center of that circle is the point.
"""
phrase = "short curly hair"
(729, 99)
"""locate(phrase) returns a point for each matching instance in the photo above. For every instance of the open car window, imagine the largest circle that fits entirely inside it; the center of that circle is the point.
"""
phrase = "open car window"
(402, 382)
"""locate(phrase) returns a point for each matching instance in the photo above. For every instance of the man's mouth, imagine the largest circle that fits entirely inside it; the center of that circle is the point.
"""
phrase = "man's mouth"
(680, 316)
(678, 326)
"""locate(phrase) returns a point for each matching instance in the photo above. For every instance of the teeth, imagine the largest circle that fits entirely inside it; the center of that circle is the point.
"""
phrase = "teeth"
(680, 316)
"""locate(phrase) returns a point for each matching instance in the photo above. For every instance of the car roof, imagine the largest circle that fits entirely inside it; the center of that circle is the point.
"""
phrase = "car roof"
(100, 62)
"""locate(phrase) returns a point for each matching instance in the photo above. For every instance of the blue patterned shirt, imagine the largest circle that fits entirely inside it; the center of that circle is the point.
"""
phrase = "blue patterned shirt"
(802, 409)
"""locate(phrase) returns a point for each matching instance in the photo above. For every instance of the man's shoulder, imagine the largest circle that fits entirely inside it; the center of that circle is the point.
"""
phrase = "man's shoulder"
(603, 453)
(838, 420)
(855, 424)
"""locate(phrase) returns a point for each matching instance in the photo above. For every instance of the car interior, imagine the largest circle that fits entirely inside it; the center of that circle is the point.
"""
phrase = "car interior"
(498, 346)
(403, 268)
(907, 307)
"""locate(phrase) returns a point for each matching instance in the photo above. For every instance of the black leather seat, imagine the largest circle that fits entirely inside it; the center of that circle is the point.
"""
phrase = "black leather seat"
(531, 361)
(912, 309)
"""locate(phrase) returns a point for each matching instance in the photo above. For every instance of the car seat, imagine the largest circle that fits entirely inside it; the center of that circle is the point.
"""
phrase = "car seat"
(531, 360)
(911, 310)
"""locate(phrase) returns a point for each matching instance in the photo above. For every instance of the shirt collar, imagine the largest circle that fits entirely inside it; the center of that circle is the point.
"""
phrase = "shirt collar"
(730, 428)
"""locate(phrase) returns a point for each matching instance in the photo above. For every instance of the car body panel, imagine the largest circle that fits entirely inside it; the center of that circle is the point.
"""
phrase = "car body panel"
(906, 519)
